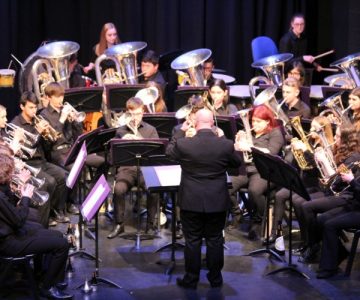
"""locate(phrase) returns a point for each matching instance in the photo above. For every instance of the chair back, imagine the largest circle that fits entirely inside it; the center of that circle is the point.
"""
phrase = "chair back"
(263, 46)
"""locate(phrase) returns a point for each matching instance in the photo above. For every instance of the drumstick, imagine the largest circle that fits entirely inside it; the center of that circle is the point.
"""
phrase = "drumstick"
(330, 70)
(10, 64)
(324, 54)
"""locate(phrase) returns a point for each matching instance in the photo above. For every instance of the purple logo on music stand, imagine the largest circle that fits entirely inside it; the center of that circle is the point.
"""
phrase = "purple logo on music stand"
(95, 198)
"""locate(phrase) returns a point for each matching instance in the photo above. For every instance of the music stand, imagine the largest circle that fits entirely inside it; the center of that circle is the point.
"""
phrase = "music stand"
(163, 122)
(160, 179)
(118, 94)
(145, 152)
(86, 99)
(183, 93)
(276, 170)
(228, 125)
(89, 210)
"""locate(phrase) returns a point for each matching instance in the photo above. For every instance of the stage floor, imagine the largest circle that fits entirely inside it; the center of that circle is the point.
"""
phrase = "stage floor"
(141, 277)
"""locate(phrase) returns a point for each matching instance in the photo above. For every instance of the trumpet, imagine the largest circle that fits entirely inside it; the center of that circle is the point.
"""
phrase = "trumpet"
(39, 198)
(79, 116)
(23, 149)
(29, 138)
(49, 133)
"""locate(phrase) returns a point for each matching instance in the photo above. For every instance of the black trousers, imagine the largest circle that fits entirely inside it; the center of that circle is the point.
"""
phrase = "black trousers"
(41, 242)
(331, 223)
(209, 226)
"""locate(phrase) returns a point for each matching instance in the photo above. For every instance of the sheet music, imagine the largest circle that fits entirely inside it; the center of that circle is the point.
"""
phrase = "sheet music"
(169, 175)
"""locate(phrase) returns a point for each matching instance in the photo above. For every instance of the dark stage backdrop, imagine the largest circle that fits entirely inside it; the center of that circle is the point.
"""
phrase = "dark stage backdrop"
(226, 27)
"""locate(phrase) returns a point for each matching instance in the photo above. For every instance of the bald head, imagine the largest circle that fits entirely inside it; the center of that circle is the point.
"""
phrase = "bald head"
(204, 118)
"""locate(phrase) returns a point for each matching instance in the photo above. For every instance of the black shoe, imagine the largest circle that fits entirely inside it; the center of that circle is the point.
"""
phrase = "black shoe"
(215, 283)
(72, 209)
(118, 229)
(60, 217)
(179, 232)
(310, 254)
(323, 274)
(151, 229)
(54, 293)
(272, 239)
(181, 283)
(62, 285)
(300, 250)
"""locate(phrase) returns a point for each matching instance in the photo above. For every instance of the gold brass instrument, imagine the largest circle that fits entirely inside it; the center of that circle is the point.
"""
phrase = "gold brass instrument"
(191, 62)
(124, 56)
(335, 104)
(53, 65)
(349, 65)
(148, 96)
(49, 134)
(29, 138)
(246, 133)
(273, 67)
(335, 183)
(299, 154)
(79, 116)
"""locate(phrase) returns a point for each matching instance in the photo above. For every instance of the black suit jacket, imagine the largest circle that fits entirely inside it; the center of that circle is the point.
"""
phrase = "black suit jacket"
(204, 160)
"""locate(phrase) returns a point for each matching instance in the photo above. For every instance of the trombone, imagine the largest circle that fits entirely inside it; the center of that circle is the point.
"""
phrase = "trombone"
(79, 116)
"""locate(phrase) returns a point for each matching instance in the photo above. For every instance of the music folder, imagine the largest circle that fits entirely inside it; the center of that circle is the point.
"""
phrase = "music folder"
(77, 167)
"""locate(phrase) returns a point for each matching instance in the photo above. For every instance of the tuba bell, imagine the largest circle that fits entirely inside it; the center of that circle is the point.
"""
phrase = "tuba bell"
(191, 62)
(273, 67)
(349, 66)
(148, 96)
(124, 56)
(246, 133)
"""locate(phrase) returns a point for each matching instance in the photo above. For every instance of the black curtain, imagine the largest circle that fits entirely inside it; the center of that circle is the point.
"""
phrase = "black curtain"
(226, 27)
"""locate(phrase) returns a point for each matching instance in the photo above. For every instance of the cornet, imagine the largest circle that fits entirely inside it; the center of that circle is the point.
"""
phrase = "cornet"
(23, 149)
(79, 115)
(39, 197)
(30, 138)
(49, 133)
(19, 164)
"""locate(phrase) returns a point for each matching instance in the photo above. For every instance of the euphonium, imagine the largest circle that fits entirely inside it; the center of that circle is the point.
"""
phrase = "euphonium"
(127, 119)
(299, 154)
(335, 104)
(244, 115)
(49, 133)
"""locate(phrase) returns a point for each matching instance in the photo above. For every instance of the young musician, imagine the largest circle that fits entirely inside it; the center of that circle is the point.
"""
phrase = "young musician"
(159, 104)
(150, 69)
(354, 102)
(293, 104)
(208, 67)
(126, 177)
(18, 237)
(219, 96)
(296, 70)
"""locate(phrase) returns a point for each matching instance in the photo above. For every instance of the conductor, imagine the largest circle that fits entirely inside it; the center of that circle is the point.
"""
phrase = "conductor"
(203, 195)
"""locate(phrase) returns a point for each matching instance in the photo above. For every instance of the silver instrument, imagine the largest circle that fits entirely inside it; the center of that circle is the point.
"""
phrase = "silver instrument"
(191, 63)
(30, 138)
(246, 133)
(334, 103)
(39, 197)
(24, 151)
(273, 67)
(148, 96)
(348, 65)
(34, 171)
(79, 115)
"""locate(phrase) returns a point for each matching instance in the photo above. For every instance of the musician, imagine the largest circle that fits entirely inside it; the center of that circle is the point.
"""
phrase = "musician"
(54, 175)
(76, 73)
(108, 38)
(291, 94)
(296, 70)
(18, 237)
(159, 104)
(346, 151)
(126, 176)
(219, 97)
(268, 138)
(208, 68)
(203, 196)
(354, 102)
(332, 222)
(18, 135)
(150, 69)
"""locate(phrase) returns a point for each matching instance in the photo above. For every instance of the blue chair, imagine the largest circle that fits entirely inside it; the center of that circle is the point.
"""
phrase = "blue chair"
(263, 46)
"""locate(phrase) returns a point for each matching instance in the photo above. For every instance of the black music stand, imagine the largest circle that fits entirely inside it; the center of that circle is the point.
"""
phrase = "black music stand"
(145, 152)
(183, 93)
(276, 170)
(87, 99)
(153, 184)
(118, 94)
(163, 122)
(228, 125)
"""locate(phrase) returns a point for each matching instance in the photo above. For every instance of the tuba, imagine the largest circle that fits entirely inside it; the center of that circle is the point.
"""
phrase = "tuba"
(339, 80)
(53, 65)
(273, 67)
(348, 65)
(245, 134)
(125, 58)
(334, 103)
(191, 62)
(299, 154)
(148, 96)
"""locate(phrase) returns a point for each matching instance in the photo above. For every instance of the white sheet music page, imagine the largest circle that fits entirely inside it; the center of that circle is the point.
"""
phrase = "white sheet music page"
(169, 175)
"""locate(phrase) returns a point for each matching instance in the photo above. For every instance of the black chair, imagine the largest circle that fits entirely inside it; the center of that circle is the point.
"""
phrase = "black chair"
(8, 262)
(352, 250)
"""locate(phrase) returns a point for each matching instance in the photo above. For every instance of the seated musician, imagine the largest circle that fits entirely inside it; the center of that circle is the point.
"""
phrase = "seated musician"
(19, 237)
(295, 69)
(354, 102)
(54, 175)
(291, 94)
(150, 69)
(160, 105)
(126, 176)
(208, 67)
(268, 138)
(219, 97)
(18, 136)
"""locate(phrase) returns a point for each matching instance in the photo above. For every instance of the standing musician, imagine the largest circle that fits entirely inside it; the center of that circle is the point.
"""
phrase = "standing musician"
(220, 98)
(54, 175)
(203, 196)
(18, 237)
(126, 176)
(268, 138)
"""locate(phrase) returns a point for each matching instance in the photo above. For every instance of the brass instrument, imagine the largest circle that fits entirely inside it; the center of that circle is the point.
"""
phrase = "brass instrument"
(335, 104)
(126, 119)
(49, 134)
(124, 56)
(273, 67)
(335, 183)
(22, 148)
(78, 115)
(299, 154)
(148, 96)
(29, 138)
(191, 62)
(349, 66)
(19, 164)
(39, 197)
(246, 133)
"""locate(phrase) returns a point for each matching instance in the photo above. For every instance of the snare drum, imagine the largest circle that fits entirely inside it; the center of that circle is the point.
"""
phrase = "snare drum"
(7, 77)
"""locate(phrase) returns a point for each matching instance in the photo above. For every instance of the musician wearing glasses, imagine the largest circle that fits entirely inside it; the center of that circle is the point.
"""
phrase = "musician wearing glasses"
(296, 70)
(268, 138)
(126, 177)
(54, 175)
(19, 237)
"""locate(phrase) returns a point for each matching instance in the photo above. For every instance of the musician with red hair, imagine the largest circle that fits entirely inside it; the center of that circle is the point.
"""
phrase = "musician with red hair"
(266, 136)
